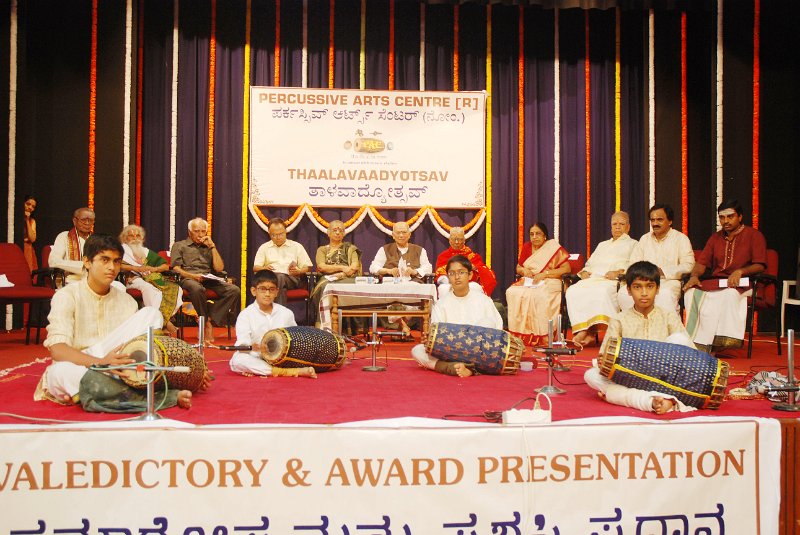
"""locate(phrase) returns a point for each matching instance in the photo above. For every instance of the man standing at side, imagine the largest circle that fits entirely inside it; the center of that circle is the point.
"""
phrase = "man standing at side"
(481, 273)
(286, 258)
(67, 251)
(197, 261)
(592, 301)
(717, 308)
(668, 249)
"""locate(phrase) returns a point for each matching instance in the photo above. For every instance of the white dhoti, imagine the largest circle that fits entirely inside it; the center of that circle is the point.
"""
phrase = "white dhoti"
(716, 318)
(591, 302)
(64, 378)
(423, 358)
(249, 362)
(151, 296)
(669, 292)
(633, 397)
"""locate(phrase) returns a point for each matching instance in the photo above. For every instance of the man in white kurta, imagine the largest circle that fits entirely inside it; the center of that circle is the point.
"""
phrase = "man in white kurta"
(592, 301)
(67, 250)
(668, 249)
(89, 320)
(464, 305)
(286, 258)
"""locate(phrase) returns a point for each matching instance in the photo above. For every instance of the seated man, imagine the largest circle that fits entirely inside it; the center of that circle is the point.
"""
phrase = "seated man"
(401, 258)
(67, 251)
(286, 258)
(463, 305)
(592, 301)
(339, 262)
(481, 274)
(668, 249)
(715, 314)
(196, 259)
(144, 268)
(644, 321)
(89, 322)
(254, 321)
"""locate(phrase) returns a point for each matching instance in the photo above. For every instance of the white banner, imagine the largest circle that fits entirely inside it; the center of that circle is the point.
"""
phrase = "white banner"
(392, 149)
(676, 478)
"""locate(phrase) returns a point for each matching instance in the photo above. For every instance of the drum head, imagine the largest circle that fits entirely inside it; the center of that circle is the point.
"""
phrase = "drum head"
(137, 350)
(275, 346)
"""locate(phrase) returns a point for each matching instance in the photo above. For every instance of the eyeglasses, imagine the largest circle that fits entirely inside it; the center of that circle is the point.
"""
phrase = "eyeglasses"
(276, 234)
(85, 219)
(455, 274)
(266, 290)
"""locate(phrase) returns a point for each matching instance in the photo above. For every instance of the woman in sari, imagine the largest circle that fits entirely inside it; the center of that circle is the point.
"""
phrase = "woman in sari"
(339, 262)
(536, 297)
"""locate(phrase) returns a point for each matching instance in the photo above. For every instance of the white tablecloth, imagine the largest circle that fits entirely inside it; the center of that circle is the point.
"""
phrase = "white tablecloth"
(372, 294)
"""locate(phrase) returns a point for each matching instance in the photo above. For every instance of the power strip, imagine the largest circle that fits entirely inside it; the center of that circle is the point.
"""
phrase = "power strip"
(526, 416)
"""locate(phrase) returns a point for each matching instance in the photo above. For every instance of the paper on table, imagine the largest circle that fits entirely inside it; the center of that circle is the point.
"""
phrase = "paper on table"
(4, 282)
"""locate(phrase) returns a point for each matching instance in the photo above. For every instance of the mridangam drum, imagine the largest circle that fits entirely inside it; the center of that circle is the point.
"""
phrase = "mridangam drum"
(489, 351)
(298, 347)
(167, 352)
(694, 377)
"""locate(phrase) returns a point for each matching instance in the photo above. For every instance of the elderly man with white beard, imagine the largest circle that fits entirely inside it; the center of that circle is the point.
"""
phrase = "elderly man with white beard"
(143, 270)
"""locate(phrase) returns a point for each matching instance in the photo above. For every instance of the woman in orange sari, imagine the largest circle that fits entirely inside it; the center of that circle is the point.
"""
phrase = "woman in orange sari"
(536, 297)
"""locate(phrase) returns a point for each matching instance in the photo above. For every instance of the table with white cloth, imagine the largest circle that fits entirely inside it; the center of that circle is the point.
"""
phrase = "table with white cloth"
(358, 300)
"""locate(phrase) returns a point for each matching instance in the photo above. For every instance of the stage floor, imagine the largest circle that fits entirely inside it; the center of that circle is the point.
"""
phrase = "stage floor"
(351, 394)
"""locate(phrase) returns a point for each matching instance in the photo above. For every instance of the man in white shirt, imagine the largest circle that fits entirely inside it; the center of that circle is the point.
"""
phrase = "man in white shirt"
(462, 305)
(67, 251)
(286, 258)
(592, 301)
(668, 249)
(401, 258)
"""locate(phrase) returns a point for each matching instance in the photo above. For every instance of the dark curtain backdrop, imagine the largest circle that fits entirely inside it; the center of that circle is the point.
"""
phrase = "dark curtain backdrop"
(53, 98)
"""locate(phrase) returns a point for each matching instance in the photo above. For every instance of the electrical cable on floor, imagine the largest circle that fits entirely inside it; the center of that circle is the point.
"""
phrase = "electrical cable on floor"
(490, 416)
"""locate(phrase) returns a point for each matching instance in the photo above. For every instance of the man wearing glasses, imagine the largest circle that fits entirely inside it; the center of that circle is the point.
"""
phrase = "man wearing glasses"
(286, 258)
(67, 251)
(463, 305)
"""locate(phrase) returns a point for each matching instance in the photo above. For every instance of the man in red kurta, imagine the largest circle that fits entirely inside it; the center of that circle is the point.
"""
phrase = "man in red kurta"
(481, 273)
(717, 308)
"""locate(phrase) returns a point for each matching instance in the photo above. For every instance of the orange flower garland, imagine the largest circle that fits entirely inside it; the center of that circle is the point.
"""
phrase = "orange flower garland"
(93, 106)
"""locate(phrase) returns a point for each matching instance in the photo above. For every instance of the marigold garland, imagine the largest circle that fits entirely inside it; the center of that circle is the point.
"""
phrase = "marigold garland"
(521, 128)
(331, 49)
(617, 111)
(391, 45)
(587, 73)
(362, 53)
(489, 212)
(139, 110)
(756, 109)
(93, 106)
(245, 154)
(276, 76)
(456, 59)
(684, 134)
(212, 84)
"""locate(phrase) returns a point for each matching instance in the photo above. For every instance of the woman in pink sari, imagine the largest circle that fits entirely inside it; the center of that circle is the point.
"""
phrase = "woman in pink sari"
(536, 297)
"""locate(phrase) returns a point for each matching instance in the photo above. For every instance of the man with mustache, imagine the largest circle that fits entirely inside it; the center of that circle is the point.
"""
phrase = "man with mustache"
(668, 249)
(67, 251)
(717, 308)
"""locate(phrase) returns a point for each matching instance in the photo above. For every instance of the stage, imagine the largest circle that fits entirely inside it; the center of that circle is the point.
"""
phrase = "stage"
(407, 412)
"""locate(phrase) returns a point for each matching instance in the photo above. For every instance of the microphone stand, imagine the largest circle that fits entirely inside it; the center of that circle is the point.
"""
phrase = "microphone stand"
(374, 342)
(791, 385)
(550, 352)
(557, 365)
(151, 415)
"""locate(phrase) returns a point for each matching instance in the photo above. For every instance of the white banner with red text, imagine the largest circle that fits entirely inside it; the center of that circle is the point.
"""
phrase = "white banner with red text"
(349, 148)
(702, 476)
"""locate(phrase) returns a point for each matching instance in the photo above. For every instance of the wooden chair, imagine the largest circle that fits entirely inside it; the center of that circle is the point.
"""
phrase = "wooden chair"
(764, 286)
(28, 287)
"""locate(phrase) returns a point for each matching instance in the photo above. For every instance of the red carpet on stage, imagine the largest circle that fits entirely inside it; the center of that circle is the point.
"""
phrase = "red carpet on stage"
(351, 394)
